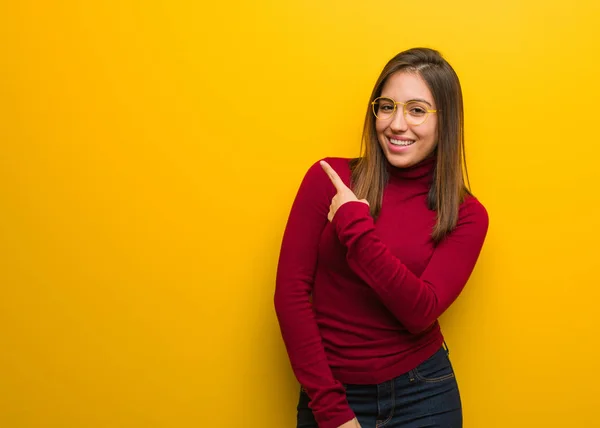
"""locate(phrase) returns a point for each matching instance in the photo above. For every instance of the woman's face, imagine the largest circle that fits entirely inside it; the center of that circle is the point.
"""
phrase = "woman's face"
(402, 143)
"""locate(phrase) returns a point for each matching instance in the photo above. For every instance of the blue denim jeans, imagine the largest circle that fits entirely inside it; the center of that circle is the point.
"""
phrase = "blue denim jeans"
(424, 397)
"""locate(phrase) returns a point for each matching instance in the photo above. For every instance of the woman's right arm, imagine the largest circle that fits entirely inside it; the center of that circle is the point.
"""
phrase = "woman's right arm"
(295, 276)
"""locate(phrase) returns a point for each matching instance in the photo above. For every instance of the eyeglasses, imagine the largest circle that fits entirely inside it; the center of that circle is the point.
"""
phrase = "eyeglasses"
(415, 112)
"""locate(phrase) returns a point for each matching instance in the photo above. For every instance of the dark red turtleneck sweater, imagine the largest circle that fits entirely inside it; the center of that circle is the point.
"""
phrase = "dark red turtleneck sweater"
(377, 287)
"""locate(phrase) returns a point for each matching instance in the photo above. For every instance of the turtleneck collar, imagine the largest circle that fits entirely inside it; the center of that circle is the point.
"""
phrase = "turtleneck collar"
(421, 171)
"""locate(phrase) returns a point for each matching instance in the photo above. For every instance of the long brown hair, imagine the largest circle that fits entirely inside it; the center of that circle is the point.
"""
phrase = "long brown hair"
(370, 172)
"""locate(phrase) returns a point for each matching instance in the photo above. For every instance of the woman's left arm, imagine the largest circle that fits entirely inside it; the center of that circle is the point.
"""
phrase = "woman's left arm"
(415, 301)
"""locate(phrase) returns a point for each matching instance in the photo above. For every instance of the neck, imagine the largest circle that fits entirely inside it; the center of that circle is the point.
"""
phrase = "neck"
(422, 171)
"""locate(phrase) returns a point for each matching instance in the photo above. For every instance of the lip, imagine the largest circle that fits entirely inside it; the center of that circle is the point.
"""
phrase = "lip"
(399, 138)
(399, 149)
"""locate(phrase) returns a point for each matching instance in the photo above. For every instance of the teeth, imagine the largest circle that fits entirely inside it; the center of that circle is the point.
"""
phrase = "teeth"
(401, 143)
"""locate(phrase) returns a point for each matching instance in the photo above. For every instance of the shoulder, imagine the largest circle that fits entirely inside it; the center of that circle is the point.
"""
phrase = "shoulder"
(471, 205)
(316, 174)
(473, 213)
(316, 189)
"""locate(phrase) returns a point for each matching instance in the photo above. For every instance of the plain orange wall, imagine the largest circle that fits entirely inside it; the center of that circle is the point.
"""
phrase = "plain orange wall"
(150, 152)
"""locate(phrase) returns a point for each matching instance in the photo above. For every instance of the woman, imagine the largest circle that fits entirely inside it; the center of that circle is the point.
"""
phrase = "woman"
(375, 250)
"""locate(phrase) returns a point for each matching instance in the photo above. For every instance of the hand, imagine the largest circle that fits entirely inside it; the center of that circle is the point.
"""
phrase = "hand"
(343, 195)
(351, 424)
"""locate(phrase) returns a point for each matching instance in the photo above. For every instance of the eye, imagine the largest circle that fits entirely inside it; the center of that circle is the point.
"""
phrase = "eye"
(385, 105)
(416, 109)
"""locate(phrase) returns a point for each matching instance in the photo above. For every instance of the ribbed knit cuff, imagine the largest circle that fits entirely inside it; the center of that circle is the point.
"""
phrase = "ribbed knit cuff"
(348, 214)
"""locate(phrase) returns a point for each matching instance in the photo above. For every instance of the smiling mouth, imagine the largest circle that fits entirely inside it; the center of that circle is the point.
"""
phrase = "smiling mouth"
(401, 143)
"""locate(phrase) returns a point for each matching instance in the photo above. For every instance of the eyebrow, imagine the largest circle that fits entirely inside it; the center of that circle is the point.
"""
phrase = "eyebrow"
(421, 100)
(414, 99)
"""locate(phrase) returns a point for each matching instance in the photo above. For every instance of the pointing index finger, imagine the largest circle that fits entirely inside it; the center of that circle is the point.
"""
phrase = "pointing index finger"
(333, 176)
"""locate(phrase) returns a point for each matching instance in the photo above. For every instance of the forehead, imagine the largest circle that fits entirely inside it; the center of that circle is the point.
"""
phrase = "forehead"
(403, 86)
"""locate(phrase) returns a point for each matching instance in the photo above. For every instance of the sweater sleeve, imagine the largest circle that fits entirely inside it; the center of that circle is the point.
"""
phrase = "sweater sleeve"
(294, 282)
(415, 301)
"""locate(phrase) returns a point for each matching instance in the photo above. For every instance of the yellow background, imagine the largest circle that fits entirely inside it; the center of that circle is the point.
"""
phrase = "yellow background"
(150, 151)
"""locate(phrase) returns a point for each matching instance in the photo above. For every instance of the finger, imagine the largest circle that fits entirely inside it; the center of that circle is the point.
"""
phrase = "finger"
(333, 176)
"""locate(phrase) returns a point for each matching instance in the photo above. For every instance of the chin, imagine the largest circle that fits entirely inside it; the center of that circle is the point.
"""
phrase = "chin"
(400, 162)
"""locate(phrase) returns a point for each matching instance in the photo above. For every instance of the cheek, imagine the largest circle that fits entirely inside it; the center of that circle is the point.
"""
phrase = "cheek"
(379, 127)
(429, 133)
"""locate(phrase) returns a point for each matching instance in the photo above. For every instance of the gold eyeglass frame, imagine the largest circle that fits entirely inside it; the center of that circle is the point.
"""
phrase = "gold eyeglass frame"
(404, 111)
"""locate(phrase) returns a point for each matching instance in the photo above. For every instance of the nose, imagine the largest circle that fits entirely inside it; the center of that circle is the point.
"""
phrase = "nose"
(398, 123)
